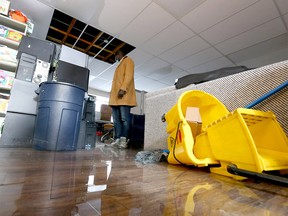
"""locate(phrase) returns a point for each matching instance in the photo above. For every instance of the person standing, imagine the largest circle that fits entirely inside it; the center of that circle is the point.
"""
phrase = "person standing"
(122, 98)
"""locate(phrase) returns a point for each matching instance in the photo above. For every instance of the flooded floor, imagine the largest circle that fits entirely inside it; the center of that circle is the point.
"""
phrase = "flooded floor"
(107, 181)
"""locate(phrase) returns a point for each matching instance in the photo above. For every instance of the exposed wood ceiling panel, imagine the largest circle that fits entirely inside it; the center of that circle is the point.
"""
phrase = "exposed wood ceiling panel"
(73, 33)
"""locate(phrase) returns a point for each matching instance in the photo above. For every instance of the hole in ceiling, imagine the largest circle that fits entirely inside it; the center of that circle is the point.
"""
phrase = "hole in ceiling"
(75, 34)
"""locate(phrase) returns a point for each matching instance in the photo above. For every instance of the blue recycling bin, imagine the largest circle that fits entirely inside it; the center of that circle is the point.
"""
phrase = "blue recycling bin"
(59, 112)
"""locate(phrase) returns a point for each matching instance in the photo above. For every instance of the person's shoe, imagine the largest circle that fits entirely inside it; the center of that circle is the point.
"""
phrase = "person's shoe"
(123, 143)
(114, 144)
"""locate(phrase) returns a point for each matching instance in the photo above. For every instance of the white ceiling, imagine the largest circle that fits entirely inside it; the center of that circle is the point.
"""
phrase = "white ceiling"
(176, 38)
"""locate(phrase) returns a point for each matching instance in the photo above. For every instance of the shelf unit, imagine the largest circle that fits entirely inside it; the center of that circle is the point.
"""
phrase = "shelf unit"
(8, 61)
(10, 43)
(15, 26)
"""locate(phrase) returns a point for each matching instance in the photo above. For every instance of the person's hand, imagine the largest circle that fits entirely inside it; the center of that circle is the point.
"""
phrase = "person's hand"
(121, 93)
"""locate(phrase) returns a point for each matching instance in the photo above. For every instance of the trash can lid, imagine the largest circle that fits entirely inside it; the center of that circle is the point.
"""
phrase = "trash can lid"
(61, 83)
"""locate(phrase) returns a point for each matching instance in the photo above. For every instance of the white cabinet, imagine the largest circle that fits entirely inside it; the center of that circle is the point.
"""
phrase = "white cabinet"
(11, 32)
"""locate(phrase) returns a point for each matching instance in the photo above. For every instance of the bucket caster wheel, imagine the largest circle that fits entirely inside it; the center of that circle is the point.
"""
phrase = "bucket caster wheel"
(163, 119)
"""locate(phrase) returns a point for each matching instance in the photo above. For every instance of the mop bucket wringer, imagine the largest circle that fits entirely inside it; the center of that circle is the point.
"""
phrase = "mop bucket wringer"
(248, 139)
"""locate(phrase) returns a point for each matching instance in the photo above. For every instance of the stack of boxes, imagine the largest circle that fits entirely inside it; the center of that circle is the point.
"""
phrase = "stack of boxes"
(105, 113)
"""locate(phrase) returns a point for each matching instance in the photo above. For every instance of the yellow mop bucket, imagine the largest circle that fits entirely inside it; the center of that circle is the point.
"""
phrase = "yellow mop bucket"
(252, 140)
(243, 140)
(180, 140)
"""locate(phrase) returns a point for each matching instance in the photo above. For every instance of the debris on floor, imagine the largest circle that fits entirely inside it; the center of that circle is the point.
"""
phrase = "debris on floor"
(153, 156)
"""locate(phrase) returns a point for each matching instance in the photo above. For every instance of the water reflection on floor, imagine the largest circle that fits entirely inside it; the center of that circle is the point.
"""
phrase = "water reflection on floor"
(106, 181)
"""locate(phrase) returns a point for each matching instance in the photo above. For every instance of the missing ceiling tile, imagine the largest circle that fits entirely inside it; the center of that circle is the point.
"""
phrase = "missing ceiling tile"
(75, 34)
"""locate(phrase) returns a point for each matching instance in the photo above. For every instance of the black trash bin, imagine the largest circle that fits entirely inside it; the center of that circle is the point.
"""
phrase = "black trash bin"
(59, 113)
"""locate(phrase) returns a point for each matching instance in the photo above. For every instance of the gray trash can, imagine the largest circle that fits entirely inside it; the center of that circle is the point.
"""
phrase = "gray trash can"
(59, 112)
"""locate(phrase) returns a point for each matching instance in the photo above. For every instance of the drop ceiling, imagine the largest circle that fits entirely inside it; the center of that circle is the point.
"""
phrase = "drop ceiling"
(169, 39)
(69, 31)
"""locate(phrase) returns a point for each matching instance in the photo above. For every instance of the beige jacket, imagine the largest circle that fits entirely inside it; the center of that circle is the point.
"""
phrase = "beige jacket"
(123, 79)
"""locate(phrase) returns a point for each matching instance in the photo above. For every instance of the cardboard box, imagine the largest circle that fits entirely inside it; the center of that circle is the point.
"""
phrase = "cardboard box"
(13, 35)
(194, 120)
(105, 112)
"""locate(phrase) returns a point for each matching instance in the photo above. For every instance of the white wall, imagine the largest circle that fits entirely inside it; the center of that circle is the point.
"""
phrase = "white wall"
(140, 97)
(73, 56)
(98, 92)
(140, 109)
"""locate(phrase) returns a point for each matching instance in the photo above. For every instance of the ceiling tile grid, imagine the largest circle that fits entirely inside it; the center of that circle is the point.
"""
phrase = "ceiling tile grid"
(139, 57)
(198, 58)
(81, 10)
(210, 13)
(108, 74)
(101, 84)
(106, 87)
(241, 22)
(147, 24)
(154, 65)
(113, 16)
(67, 30)
(256, 35)
(170, 79)
(149, 84)
(97, 67)
(185, 49)
(164, 72)
(271, 51)
(282, 5)
(220, 62)
(286, 20)
(168, 39)
(179, 8)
